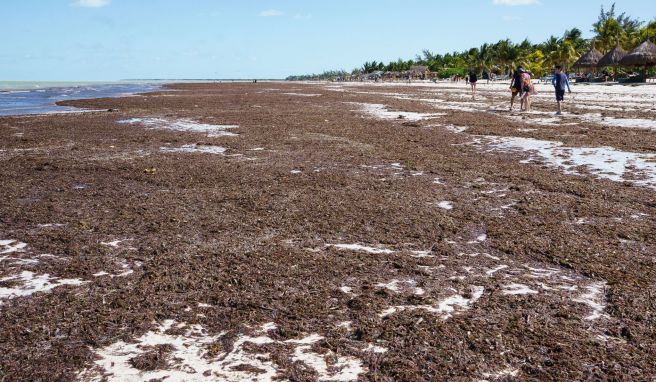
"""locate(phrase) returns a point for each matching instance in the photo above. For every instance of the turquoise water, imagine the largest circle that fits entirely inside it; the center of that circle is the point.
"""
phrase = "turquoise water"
(19, 98)
(33, 85)
(39, 97)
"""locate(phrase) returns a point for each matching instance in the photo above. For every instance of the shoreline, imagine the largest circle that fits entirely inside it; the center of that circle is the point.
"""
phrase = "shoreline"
(9, 86)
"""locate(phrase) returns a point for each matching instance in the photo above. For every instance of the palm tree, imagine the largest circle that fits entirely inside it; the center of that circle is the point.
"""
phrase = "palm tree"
(648, 31)
(534, 62)
(608, 35)
(565, 55)
(575, 36)
(506, 53)
(369, 67)
(483, 59)
(611, 27)
(550, 45)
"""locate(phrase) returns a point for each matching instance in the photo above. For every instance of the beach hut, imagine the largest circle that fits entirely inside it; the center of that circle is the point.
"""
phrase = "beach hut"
(643, 56)
(374, 76)
(391, 76)
(419, 72)
(612, 58)
(589, 60)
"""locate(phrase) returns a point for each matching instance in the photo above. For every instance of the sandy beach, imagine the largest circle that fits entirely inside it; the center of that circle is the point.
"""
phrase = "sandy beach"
(331, 232)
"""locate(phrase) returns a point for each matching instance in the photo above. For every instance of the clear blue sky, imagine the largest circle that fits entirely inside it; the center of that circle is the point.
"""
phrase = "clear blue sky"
(118, 39)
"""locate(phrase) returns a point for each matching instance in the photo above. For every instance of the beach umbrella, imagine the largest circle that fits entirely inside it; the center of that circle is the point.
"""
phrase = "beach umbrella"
(613, 57)
(643, 55)
(589, 60)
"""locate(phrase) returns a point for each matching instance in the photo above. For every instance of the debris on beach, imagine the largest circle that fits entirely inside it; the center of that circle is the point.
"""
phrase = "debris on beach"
(458, 242)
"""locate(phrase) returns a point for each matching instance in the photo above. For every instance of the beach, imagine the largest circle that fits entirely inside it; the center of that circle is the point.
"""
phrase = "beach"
(333, 232)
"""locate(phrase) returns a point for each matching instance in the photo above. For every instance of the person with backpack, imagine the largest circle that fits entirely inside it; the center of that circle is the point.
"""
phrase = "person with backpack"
(516, 86)
(528, 89)
(560, 83)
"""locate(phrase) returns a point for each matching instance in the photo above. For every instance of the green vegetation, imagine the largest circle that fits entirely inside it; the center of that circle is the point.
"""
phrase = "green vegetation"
(501, 57)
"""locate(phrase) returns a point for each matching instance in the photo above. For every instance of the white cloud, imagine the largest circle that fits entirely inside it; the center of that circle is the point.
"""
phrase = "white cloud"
(514, 3)
(271, 13)
(91, 3)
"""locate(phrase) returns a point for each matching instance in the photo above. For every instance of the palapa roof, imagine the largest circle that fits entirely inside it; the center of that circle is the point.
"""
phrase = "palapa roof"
(613, 57)
(643, 55)
(419, 68)
(590, 59)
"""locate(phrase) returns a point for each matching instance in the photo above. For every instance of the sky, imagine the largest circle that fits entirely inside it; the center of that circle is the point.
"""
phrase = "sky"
(88, 40)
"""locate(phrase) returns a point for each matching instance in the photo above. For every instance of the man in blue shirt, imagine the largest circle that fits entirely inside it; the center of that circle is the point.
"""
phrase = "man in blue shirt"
(560, 82)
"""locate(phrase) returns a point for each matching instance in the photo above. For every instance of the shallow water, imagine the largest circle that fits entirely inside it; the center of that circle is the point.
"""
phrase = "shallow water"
(43, 100)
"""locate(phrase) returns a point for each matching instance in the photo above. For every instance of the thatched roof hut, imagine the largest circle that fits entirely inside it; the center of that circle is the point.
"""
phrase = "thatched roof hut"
(613, 57)
(643, 55)
(375, 75)
(419, 69)
(590, 59)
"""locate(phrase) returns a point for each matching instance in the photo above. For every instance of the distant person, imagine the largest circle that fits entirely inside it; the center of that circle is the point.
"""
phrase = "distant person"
(528, 89)
(560, 83)
(472, 82)
(516, 86)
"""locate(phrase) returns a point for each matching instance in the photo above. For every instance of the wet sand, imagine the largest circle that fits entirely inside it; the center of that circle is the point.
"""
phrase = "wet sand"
(332, 232)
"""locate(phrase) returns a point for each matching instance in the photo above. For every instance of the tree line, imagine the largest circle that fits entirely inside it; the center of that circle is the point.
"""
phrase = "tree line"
(610, 29)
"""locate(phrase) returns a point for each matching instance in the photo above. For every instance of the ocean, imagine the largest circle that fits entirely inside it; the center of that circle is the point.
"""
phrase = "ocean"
(19, 98)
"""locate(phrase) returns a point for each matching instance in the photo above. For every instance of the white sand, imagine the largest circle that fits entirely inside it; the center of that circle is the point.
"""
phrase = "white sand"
(302, 94)
(594, 298)
(421, 254)
(602, 162)
(205, 149)
(398, 286)
(183, 125)
(348, 368)
(444, 308)
(505, 373)
(11, 246)
(495, 270)
(518, 289)
(346, 289)
(30, 283)
(446, 205)
(190, 360)
(361, 248)
(375, 349)
(113, 244)
(381, 112)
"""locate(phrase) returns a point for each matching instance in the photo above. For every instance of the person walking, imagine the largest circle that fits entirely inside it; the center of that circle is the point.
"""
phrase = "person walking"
(560, 83)
(516, 86)
(472, 81)
(528, 89)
